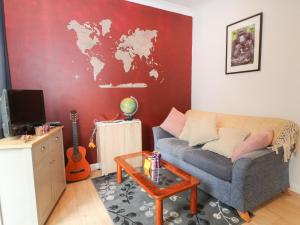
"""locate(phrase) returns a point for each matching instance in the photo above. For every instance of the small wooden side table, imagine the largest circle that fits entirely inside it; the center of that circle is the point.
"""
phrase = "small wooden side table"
(117, 138)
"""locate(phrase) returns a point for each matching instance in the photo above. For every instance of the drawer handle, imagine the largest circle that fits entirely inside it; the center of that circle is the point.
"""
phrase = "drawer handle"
(43, 148)
(57, 138)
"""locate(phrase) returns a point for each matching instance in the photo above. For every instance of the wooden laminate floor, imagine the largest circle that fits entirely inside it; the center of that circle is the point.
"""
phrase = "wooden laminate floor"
(80, 205)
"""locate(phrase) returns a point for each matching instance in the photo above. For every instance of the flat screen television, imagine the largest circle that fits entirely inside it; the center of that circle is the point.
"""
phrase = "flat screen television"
(21, 111)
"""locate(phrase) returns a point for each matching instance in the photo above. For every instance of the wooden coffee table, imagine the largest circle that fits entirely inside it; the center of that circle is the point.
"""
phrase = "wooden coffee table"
(175, 180)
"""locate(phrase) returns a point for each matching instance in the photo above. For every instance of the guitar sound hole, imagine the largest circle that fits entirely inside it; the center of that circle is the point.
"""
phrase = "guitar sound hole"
(77, 171)
(76, 157)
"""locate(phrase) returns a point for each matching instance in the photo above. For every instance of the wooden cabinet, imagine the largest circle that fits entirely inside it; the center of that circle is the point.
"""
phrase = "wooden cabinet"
(32, 177)
(43, 188)
(1, 223)
(117, 138)
(57, 166)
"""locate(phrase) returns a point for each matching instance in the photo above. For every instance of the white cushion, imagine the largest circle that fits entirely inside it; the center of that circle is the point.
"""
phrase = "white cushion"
(185, 133)
(229, 139)
(199, 130)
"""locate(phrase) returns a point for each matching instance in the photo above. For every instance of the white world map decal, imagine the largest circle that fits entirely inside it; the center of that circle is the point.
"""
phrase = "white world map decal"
(138, 43)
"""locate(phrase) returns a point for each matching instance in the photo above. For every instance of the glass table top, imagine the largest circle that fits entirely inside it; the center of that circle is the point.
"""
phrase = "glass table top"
(161, 177)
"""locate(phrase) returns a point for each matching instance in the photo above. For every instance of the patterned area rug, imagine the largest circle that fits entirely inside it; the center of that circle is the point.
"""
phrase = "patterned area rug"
(129, 204)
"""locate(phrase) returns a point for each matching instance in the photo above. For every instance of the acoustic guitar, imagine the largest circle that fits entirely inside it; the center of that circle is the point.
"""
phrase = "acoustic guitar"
(77, 167)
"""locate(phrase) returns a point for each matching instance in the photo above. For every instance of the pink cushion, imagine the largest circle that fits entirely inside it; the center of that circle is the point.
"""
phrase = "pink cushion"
(174, 122)
(255, 142)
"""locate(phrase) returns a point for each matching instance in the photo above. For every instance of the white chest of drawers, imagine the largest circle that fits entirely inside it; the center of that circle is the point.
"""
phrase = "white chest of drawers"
(32, 178)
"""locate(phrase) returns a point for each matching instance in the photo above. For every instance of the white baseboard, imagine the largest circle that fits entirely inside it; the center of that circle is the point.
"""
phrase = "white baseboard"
(95, 166)
(295, 188)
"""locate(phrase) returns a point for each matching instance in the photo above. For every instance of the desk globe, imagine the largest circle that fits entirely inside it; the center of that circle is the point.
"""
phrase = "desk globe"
(129, 107)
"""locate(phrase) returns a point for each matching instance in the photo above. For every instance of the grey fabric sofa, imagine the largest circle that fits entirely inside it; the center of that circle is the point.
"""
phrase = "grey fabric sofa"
(244, 185)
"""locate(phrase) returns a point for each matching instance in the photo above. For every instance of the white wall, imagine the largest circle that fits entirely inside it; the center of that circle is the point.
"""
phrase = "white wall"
(273, 91)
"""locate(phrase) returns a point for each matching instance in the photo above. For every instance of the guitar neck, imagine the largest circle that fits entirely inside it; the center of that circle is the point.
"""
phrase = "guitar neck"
(75, 137)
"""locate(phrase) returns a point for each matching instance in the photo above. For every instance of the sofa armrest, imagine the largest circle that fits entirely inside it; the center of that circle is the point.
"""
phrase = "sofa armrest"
(257, 177)
(159, 133)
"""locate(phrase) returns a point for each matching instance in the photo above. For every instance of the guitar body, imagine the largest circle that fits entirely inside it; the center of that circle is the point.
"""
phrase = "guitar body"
(77, 167)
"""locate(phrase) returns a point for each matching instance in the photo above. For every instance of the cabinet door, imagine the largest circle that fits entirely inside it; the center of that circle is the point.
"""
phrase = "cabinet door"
(132, 137)
(57, 165)
(111, 144)
(0, 215)
(43, 189)
(115, 140)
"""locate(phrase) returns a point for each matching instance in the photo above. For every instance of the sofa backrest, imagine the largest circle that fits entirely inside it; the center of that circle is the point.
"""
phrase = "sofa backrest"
(251, 124)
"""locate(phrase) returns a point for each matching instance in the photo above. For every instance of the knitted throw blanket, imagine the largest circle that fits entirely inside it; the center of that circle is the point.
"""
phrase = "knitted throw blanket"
(287, 139)
(286, 132)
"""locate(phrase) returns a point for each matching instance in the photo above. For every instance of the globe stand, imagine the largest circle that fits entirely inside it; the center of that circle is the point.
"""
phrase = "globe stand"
(128, 117)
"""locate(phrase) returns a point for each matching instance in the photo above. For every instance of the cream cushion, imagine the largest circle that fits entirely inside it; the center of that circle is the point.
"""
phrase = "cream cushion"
(199, 130)
(202, 130)
(185, 133)
(229, 139)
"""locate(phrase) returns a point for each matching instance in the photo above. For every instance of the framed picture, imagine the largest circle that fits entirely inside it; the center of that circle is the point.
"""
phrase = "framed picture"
(243, 45)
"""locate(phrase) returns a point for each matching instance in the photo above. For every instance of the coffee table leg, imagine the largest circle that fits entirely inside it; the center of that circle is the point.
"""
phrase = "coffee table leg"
(193, 200)
(159, 211)
(119, 174)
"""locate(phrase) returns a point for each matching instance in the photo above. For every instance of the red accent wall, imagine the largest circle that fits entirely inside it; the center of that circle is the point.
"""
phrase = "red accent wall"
(43, 55)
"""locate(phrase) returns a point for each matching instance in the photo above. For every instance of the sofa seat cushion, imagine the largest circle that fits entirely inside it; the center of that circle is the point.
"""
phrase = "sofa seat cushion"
(172, 146)
(210, 162)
